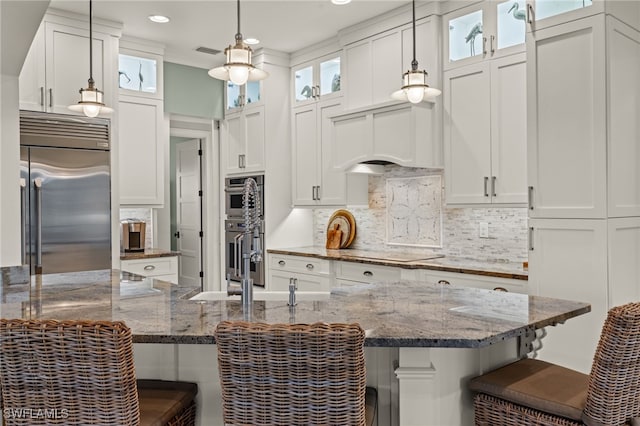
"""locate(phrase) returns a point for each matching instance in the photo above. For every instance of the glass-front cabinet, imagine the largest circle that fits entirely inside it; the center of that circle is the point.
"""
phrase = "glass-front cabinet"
(140, 73)
(240, 96)
(545, 13)
(317, 79)
(484, 31)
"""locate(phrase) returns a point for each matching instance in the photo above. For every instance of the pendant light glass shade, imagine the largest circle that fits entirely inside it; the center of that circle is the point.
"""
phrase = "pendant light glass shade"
(238, 68)
(91, 99)
(414, 82)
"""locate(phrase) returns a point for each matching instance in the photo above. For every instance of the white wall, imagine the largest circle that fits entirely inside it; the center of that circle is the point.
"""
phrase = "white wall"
(19, 21)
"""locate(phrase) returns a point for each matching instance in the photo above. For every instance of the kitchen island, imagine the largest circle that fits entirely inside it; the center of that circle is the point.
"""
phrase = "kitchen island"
(424, 341)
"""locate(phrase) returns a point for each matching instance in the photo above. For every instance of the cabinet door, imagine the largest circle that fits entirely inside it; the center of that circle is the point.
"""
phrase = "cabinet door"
(305, 155)
(333, 186)
(509, 130)
(568, 260)
(624, 260)
(464, 38)
(254, 140)
(234, 142)
(547, 13)
(358, 74)
(467, 134)
(623, 155)
(279, 281)
(566, 120)
(67, 65)
(142, 141)
(32, 76)
(386, 66)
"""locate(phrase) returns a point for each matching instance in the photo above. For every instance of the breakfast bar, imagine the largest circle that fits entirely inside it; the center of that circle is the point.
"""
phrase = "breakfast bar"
(424, 341)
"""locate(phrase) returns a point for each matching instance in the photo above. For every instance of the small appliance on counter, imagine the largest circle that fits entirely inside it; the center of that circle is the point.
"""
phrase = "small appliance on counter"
(132, 234)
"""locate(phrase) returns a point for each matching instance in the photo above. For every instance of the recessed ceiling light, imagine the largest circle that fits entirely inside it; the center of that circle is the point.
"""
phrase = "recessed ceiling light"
(340, 2)
(251, 40)
(160, 19)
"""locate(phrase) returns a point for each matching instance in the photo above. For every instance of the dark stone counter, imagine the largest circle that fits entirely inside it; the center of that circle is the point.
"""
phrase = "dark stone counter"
(394, 314)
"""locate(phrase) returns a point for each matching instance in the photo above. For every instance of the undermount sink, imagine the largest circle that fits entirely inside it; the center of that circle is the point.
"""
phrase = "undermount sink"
(263, 295)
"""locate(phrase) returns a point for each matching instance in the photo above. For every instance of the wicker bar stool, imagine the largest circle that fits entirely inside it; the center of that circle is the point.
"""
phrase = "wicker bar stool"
(82, 373)
(293, 374)
(533, 392)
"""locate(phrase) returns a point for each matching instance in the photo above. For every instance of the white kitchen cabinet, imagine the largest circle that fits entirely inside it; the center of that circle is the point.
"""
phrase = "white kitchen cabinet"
(566, 123)
(374, 66)
(143, 137)
(400, 133)
(486, 30)
(161, 268)
(311, 274)
(57, 66)
(485, 132)
(353, 273)
(547, 13)
(245, 96)
(243, 138)
(624, 260)
(568, 260)
(316, 181)
(317, 79)
(476, 281)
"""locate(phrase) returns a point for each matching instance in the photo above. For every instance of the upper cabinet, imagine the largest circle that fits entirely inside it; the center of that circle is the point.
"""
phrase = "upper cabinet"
(317, 79)
(57, 66)
(140, 73)
(484, 31)
(374, 66)
(247, 95)
(546, 13)
(244, 136)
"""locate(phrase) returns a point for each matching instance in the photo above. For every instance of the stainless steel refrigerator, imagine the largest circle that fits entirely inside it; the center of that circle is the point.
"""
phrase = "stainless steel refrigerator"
(65, 192)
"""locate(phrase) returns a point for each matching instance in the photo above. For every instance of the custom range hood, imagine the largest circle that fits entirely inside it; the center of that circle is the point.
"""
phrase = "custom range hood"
(371, 167)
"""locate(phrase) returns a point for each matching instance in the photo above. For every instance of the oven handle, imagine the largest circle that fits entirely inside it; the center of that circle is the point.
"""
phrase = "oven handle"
(237, 249)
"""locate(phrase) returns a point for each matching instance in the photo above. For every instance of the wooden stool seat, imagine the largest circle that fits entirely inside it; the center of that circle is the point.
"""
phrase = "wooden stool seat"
(166, 402)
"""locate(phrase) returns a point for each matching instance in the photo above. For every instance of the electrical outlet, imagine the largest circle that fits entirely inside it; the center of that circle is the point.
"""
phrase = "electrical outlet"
(483, 230)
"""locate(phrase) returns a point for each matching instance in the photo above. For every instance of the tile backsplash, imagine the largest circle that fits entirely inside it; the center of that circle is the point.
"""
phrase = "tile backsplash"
(460, 226)
(142, 214)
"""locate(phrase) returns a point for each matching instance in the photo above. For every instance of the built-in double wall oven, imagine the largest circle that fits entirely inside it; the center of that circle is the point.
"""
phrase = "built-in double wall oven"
(234, 229)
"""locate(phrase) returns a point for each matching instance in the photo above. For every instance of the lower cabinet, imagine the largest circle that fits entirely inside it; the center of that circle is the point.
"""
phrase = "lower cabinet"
(162, 268)
(351, 273)
(311, 274)
(476, 281)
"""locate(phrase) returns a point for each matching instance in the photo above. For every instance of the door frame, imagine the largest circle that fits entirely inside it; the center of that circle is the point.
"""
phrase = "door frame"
(207, 132)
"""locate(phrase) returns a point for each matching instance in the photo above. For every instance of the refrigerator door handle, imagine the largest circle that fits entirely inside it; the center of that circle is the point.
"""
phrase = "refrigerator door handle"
(23, 217)
(37, 183)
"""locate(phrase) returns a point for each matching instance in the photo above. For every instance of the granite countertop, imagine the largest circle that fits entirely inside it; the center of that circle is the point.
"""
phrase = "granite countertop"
(394, 314)
(424, 260)
(148, 253)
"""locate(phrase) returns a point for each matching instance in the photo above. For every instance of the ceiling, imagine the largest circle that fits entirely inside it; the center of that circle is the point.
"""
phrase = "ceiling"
(285, 25)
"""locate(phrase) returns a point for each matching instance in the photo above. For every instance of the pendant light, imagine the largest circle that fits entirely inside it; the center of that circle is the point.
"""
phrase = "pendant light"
(238, 67)
(91, 99)
(415, 87)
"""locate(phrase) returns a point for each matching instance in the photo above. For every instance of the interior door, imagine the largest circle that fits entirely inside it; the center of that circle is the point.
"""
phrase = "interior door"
(188, 211)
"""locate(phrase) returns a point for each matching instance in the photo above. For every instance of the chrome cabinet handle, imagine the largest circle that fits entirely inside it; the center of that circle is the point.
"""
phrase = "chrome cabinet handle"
(491, 40)
(310, 266)
(493, 186)
(367, 273)
(239, 161)
(282, 263)
(530, 14)
(531, 238)
(313, 193)
(501, 289)
(42, 96)
(318, 91)
(50, 98)
(149, 268)
(486, 183)
(37, 183)
(23, 218)
(318, 192)
(484, 45)
(444, 282)
(530, 195)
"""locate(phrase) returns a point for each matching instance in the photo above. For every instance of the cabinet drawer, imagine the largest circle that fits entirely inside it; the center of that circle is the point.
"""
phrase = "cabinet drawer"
(302, 264)
(279, 281)
(476, 281)
(151, 267)
(366, 273)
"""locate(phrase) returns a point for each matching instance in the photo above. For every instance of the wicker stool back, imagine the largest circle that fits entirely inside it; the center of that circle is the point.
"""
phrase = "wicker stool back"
(291, 374)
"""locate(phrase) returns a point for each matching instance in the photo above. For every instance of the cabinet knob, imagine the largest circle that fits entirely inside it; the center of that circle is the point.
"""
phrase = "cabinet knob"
(149, 268)
(367, 273)
(445, 282)
(282, 263)
(309, 266)
(501, 289)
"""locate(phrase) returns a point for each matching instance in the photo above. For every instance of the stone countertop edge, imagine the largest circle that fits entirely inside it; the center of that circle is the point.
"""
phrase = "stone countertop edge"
(460, 265)
(148, 254)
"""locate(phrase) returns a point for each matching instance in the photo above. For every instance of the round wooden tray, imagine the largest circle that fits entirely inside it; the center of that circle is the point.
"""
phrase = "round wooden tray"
(347, 225)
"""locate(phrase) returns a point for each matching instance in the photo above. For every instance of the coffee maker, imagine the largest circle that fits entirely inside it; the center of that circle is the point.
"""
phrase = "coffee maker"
(132, 234)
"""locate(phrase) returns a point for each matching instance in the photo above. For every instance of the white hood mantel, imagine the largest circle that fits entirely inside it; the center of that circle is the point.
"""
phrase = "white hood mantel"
(395, 132)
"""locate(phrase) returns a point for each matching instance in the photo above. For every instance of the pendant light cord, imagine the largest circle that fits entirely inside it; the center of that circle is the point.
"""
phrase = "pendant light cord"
(414, 63)
(238, 34)
(91, 43)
